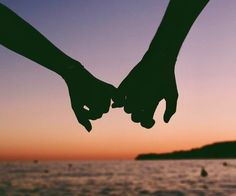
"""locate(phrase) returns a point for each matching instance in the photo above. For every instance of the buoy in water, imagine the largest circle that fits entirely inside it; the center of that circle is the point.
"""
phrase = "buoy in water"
(204, 172)
(225, 164)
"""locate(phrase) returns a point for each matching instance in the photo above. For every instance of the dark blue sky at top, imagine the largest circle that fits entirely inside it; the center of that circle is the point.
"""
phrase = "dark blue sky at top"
(87, 29)
(109, 37)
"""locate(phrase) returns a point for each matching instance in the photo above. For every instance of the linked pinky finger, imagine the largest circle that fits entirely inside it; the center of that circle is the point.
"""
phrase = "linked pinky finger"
(118, 100)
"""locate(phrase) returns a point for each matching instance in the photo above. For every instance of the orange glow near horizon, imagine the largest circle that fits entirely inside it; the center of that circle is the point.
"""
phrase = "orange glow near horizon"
(36, 119)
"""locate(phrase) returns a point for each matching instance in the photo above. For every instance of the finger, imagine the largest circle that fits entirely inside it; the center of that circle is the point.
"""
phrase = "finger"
(127, 108)
(81, 115)
(171, 105)
(148, 123)
(136, 116)
(119, 96)
(112, 91)
(94, 112)
(132, 103)
(106, 106)
(111, 94)
(94, 115)
(118, 100)
(102, 105)
(141, 116)
(147, 120)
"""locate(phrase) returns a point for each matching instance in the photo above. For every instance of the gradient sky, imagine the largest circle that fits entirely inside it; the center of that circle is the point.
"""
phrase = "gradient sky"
(109, 38)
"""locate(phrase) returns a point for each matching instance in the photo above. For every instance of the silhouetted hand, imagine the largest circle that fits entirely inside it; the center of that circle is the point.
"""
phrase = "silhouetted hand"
(153, 79)
(90, 97)
(150, 81)
(85, 90)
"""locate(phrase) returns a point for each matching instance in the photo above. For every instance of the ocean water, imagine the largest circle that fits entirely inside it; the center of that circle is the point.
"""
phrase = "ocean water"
(118, 178)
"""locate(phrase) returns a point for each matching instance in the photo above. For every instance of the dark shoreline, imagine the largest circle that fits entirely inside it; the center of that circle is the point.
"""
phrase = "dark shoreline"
(219, 150)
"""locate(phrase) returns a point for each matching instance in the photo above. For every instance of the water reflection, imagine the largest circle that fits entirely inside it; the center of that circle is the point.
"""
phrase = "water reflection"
(118, 178)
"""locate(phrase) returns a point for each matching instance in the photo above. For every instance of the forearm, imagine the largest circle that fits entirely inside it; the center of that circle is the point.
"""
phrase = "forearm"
(175, 25)
(19, 36)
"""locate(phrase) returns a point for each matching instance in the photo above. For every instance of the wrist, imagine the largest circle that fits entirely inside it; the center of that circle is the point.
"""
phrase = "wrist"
(164, 47)
(160, 60)
(72, 68)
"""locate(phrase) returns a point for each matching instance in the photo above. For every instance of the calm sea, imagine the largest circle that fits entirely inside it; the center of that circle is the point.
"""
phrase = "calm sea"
(118, 178)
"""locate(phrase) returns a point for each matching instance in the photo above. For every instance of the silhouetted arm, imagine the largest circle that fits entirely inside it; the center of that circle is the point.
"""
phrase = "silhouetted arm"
(85, 90)
(153, 78)
(19, 36)
(175, 25)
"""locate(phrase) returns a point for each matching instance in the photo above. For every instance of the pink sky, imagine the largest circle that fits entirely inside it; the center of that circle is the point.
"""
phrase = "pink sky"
(37, 122)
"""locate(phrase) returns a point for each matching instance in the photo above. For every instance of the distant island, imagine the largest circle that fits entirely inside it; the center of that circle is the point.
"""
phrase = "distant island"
(219, 150)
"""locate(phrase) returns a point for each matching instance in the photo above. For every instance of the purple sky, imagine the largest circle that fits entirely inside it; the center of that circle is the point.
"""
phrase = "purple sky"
(109, 38)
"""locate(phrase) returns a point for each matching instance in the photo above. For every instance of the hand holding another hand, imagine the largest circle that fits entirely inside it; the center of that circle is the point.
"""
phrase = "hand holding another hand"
(150, 81)
(90, 97)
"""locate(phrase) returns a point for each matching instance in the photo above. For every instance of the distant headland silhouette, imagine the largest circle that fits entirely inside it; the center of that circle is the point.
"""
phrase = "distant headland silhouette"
(218, 150)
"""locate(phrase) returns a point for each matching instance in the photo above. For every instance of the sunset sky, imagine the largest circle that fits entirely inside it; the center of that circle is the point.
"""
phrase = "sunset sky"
(109, 38)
